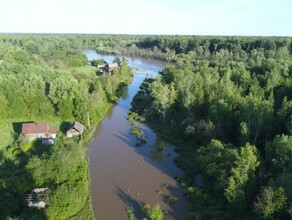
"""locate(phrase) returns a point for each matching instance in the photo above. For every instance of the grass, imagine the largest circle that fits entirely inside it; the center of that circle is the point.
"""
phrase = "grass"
(85, 213)
(88, 70)
(6, 131)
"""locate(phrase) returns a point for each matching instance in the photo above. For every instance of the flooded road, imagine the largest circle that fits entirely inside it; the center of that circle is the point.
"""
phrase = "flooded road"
(123, 175)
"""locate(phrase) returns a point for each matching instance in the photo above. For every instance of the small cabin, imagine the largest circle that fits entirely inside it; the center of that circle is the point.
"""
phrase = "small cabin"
(39, 130)
(75, 129)
(109, 67)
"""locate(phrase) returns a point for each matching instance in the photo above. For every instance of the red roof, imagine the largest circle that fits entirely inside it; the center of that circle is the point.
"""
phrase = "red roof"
(36, 128)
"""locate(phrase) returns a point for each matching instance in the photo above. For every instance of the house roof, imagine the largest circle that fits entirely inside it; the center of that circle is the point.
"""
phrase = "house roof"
(37, 127)
(78, 126)
(113, 65)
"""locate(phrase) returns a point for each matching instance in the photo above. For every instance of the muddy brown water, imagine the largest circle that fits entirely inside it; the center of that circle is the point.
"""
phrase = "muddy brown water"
(123, 175)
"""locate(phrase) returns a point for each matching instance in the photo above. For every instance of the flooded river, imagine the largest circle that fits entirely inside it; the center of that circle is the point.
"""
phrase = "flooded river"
(123, 175)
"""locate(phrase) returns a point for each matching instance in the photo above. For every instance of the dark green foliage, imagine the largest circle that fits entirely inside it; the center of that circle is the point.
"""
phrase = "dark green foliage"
(279, 154)
(227, 105)
(270, 203)
(171, 200)
(250, 50)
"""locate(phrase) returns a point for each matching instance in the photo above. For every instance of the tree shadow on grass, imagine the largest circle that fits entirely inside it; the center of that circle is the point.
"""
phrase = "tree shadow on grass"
(17, 126)
(65, 125)
(38, 148)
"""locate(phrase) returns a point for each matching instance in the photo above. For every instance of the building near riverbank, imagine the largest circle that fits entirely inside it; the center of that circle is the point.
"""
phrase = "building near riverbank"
(75, 129)
(39, 130)
(109, 67)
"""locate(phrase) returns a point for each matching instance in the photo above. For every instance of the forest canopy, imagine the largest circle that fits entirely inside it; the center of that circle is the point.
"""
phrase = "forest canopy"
(227, 104)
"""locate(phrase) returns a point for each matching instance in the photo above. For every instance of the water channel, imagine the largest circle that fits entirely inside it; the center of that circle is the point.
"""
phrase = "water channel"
(123, 175)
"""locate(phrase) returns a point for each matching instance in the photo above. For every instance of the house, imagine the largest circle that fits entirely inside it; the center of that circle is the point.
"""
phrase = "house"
(108, 67)
(75, 129)
(39, 130)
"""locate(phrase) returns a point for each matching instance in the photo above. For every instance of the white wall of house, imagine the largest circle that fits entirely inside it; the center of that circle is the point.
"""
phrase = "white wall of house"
(39, 135)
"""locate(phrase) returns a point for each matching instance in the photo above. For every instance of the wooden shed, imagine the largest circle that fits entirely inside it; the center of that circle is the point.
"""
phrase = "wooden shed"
(75, 129)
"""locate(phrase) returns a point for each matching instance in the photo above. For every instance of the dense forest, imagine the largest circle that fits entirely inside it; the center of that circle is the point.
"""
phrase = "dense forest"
(182, 48)
(227, 105)
(46, 78)
(226, 102)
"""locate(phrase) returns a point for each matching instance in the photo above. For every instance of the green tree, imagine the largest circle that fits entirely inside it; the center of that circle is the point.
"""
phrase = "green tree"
(270, 202)
(279, 154)
(185, 84)
(156, 213)
(216, 160)
(244, 168)
(256, 111)
(164, 96)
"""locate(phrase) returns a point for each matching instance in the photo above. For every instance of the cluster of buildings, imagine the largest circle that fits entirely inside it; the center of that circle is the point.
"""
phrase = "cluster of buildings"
(108, 67)
(46, 133)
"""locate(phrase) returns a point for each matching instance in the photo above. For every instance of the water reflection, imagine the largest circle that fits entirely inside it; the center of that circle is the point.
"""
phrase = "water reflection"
(159, 151)
(125, 93)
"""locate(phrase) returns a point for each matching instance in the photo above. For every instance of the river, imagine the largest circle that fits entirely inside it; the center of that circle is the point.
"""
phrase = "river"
(123, 175)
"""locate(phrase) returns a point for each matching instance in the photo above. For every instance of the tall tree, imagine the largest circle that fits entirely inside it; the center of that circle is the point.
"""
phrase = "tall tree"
(164, 96)
(243, 170)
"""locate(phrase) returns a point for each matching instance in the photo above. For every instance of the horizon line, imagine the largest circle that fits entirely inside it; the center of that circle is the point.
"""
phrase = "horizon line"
(198, 35)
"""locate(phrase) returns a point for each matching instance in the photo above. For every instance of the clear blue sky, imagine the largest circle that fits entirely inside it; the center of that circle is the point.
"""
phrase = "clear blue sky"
(192, 17)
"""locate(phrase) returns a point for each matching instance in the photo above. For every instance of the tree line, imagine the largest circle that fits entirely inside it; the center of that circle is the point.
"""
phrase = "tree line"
(212, 48)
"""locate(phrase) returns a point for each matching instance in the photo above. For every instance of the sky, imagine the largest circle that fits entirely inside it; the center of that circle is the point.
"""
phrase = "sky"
(170, 17)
